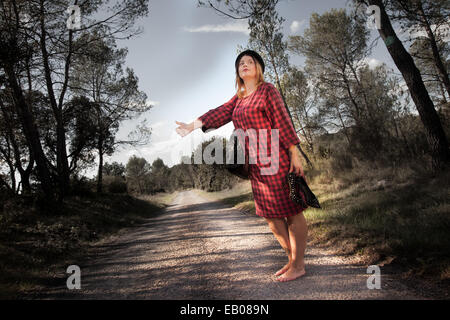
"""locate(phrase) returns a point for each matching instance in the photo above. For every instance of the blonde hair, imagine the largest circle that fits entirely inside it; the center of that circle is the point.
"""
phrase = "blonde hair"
(240, 83)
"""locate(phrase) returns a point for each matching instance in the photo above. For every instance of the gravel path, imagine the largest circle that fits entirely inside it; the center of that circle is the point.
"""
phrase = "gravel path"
(198, 249)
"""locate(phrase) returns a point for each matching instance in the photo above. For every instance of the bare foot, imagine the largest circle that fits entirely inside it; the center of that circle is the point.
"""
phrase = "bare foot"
(291, 274)
(283, 270)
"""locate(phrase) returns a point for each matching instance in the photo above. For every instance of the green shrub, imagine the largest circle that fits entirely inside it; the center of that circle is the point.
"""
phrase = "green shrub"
(83, 187)
(114, 184)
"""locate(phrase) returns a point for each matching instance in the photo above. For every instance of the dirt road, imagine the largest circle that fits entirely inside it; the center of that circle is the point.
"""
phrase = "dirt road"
(199, 249)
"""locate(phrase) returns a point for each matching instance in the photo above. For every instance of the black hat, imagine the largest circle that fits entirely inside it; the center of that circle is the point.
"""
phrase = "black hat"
(252, 54)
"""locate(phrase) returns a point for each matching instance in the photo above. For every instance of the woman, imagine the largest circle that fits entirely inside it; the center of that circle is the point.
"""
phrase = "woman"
(258, 105)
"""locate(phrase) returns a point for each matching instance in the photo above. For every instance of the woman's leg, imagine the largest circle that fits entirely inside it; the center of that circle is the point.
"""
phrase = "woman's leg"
(279, 228)
(298, 231)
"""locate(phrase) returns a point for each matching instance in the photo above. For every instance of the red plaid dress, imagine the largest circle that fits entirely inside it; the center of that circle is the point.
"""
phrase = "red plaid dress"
(263, 109)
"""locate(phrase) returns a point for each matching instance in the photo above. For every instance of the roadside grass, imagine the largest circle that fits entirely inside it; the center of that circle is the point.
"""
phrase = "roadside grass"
(380, 216)
(398, 216)
(164, 198)
(35, 244)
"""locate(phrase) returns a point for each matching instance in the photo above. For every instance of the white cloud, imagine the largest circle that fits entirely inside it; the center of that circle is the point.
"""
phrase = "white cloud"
(152, 103)
(235, 26)
(373, 63)
(296, 25)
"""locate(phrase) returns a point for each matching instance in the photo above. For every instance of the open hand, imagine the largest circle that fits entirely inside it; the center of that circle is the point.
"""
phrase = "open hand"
(184, 128)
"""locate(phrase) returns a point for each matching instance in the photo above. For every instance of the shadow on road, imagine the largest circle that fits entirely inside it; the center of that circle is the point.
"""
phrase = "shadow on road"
(198, 249)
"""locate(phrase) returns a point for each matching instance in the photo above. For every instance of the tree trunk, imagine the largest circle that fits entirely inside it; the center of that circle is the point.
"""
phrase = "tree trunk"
(344, 128)
(31, 132)
(26, 187)
(100, 166)
(444, 98)
(434, 132)
(24, 173)
(12, 175)
(61, 152)
(25, 176)
(436, 56)
(3, 182)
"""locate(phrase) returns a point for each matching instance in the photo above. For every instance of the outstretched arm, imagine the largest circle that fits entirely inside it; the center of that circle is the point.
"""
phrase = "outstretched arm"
(185, 128)
(214, 118)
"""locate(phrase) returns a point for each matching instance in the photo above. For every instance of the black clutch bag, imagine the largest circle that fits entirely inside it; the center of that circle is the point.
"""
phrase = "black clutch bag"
(237, 159)
(298, 184)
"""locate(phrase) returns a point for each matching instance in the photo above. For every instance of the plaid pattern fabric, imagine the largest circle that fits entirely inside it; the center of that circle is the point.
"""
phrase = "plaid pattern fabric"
(263, 111)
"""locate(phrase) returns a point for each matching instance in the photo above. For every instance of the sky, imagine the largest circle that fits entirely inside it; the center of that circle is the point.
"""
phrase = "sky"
(184, 60)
